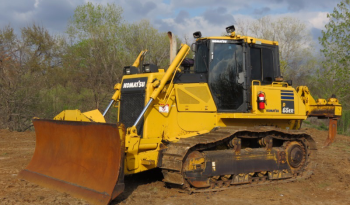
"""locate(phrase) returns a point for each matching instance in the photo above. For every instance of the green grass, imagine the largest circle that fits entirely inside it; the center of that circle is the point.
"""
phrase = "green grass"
(342, 146)
(322, 126)
(307, 122)
(323, 185)
(154, 189)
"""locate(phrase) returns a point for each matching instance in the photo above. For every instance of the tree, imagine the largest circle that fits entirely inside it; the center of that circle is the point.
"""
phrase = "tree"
(101, 44)
(95, 50)
(8, 75)
(142, 35)
(295, 43)
(26, 63)
(42, 74)
(335, 73)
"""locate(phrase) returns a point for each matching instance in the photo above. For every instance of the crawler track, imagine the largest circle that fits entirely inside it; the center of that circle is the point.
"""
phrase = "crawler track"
(175, 155)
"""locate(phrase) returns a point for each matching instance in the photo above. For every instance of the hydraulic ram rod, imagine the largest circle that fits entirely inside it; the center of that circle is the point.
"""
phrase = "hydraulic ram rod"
(108, 107)
(143, 112)
(168, 74)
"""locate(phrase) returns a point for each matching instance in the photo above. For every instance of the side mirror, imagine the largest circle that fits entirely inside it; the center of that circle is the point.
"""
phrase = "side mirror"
(193, 47)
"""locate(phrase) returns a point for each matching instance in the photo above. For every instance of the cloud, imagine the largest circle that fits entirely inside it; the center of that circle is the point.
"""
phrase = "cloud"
(163, 25)
(135, 10)
(262, 11)
(319, 19)
(141, 7)
(182, 16)
(20, 6)
(53, 15)
(236, 4)
(298, 5)
(218, 16)
(197, 23)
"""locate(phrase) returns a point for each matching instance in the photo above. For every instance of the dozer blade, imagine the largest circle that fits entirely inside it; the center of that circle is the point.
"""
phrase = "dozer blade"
(84, 159)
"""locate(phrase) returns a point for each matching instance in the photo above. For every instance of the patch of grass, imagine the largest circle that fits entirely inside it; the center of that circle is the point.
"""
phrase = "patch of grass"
(301, 179)
(154, 189)
(322, 127)
(323, 185)
(307, 122)
(342, 146)
(315, 125)
(4, 154)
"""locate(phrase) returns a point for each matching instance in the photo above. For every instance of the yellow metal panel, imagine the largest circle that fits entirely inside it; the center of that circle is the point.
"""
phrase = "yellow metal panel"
(71, 115)
(224, 121)
(274, 96)
(146, 160)
(260, 116)
(338, 111)
(185, 98)
(200, 92)
(95, 116)
(194, 97)
(195, 121)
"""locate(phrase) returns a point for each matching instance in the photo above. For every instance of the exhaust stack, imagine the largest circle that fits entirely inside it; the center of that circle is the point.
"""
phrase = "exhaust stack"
(173, 42)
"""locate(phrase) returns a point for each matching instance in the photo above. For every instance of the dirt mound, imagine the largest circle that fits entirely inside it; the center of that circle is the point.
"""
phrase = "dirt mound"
(329, 185)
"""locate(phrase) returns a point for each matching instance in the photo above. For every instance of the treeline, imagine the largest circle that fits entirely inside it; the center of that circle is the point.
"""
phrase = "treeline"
(42, 74)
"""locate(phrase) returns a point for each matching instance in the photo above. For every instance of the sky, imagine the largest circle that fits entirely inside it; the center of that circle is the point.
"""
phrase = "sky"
(182, 17)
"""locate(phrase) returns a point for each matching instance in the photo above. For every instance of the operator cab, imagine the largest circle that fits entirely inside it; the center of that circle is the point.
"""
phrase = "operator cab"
(230, 64)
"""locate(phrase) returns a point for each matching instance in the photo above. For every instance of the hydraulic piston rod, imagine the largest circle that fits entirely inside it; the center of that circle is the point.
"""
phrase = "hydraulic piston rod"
(168, 74)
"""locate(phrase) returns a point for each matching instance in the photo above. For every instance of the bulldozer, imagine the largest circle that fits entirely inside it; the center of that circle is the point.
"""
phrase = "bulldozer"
(223, 119)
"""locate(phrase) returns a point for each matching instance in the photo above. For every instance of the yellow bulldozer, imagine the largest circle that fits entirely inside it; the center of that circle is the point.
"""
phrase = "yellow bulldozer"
(220, 120)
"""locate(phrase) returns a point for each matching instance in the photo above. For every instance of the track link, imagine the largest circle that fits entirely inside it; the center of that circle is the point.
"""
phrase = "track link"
(174, 156)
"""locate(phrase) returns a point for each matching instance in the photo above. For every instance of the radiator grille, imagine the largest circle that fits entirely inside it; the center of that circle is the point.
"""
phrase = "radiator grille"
(131, 105)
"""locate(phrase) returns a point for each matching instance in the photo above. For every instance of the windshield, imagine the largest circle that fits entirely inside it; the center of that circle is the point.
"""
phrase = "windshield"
(201, 58)
(226, 75)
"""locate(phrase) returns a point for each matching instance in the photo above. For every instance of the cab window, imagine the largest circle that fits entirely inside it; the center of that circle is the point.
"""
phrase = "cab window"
(262, 67)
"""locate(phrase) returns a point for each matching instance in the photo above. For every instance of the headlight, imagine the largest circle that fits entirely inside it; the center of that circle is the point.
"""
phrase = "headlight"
(129, 70)
(149, 68)
(197, 34)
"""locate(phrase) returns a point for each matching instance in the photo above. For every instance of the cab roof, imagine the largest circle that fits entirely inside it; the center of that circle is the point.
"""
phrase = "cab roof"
(247, 39)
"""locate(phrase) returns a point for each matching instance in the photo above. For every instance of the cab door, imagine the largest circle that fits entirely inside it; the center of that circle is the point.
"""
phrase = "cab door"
(227, 79)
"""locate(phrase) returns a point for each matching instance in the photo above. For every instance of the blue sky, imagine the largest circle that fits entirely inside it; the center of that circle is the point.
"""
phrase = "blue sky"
(182, 17)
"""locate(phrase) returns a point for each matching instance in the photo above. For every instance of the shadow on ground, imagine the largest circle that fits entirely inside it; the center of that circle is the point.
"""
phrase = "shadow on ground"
(135, 180)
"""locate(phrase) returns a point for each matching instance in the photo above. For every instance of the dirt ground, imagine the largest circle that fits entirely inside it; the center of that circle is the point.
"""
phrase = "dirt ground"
(330, 183)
